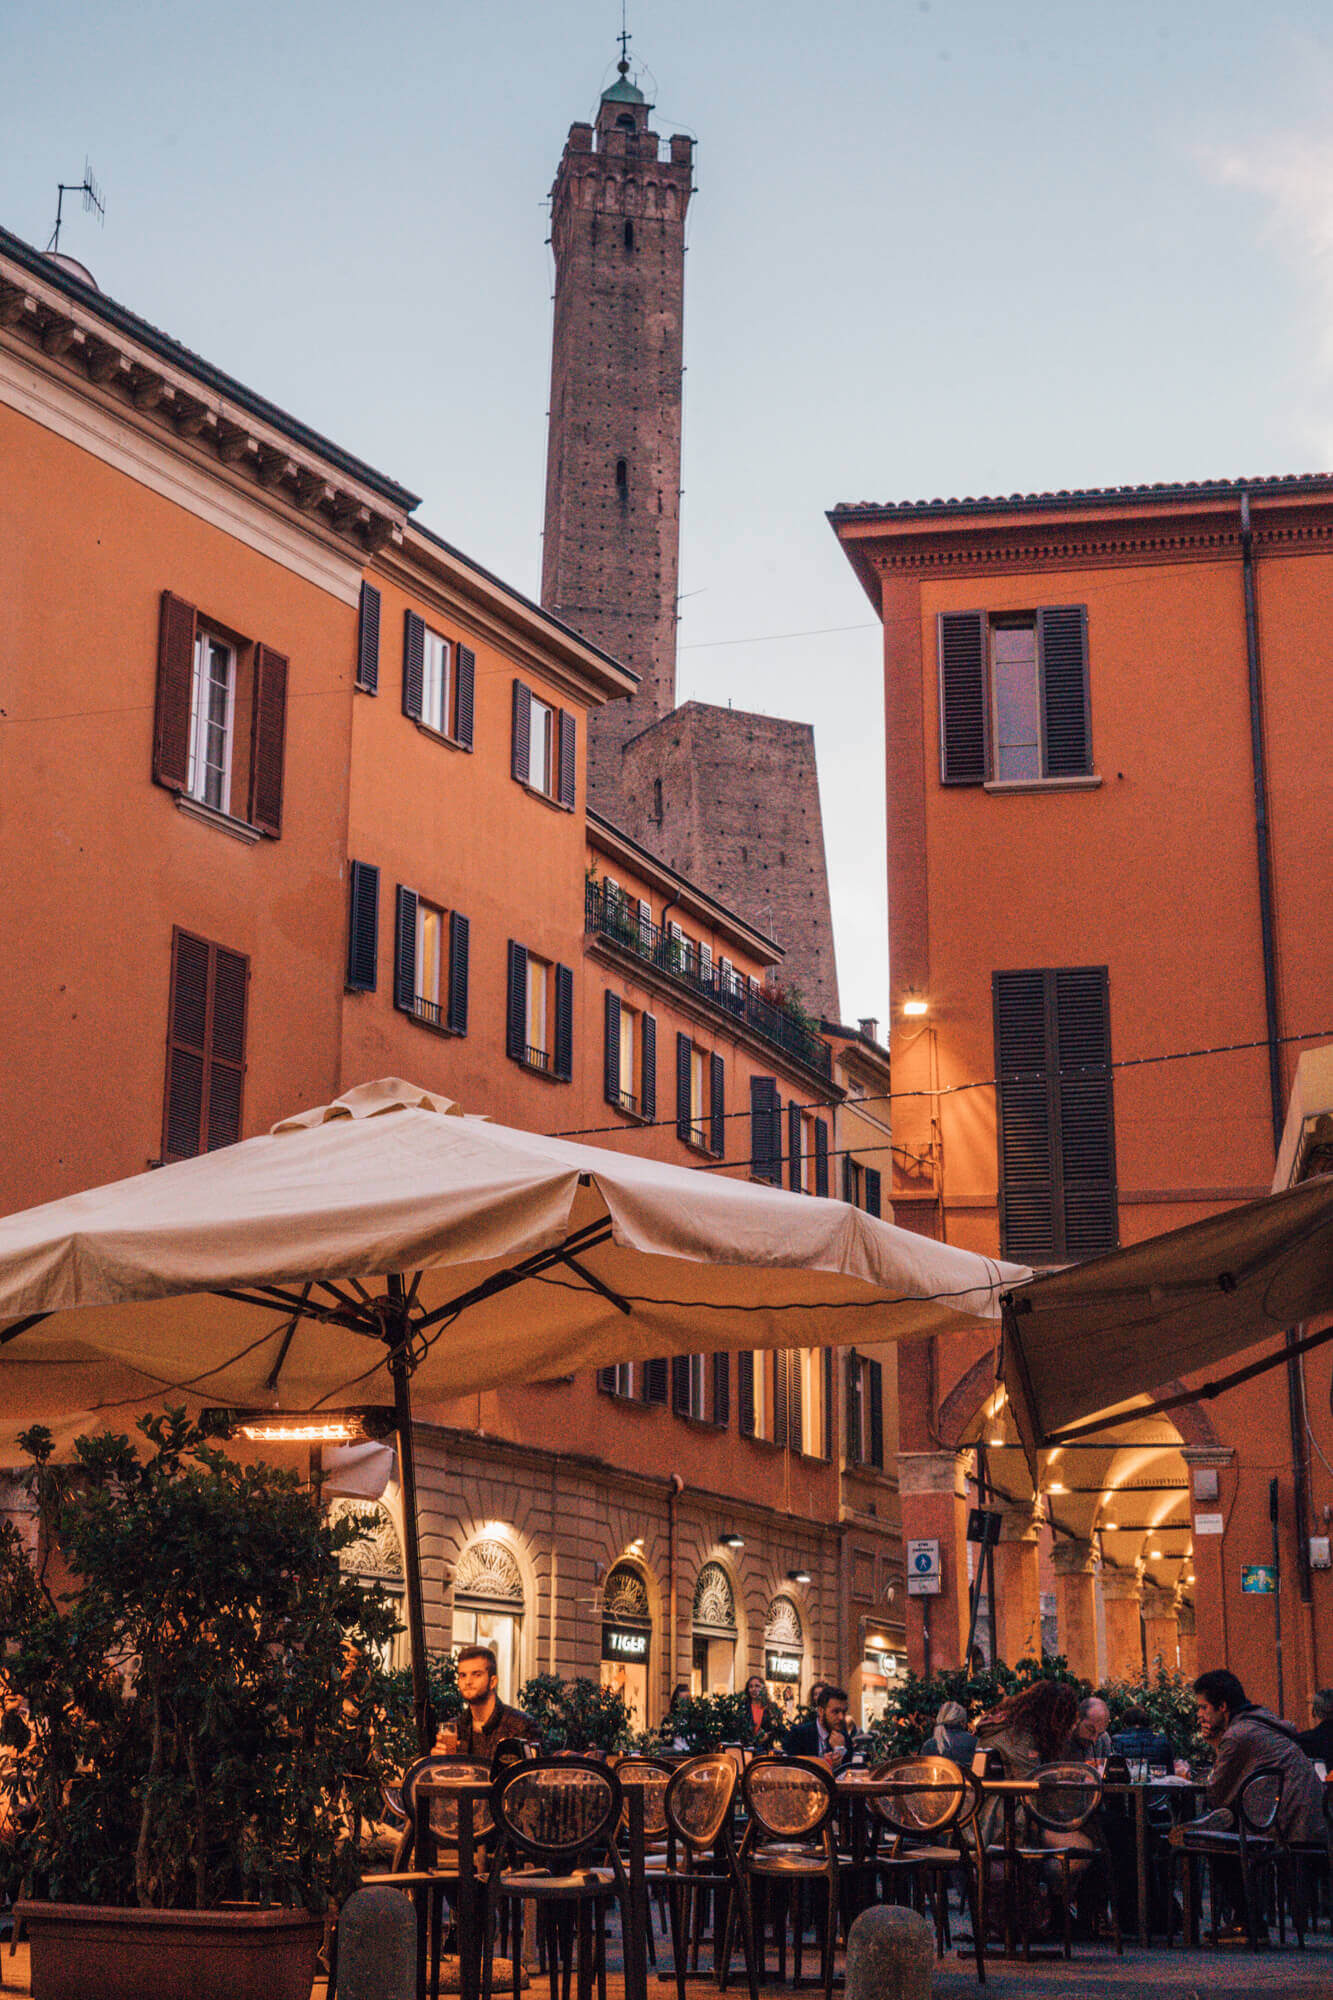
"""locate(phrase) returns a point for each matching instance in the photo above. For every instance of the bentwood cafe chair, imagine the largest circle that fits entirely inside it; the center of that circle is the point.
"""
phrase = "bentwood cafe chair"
(931, 1841)
(556, 1821)
(790, 1845)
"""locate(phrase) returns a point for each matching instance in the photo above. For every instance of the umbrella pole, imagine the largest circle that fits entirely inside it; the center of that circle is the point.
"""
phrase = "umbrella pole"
(400, 1370)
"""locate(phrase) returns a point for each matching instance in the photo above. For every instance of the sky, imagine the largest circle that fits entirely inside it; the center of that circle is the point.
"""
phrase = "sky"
(938, 247)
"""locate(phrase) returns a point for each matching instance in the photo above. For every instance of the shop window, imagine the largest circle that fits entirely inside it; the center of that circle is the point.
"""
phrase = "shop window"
(713, 1653)
(627, 1639)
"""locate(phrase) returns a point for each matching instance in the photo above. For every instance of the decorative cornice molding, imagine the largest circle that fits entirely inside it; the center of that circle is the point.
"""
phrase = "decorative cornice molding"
(990, 552)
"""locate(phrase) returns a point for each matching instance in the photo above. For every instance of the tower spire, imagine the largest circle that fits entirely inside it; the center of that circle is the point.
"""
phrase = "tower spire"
(624, 38)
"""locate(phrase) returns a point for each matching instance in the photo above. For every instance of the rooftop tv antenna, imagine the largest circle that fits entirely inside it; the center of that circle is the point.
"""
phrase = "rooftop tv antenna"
(93, 204)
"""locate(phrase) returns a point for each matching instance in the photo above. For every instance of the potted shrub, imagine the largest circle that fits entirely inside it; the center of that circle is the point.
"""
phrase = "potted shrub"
(578, 1715)
(197, 1720)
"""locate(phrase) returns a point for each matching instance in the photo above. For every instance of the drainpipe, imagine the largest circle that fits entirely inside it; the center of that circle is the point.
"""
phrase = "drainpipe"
(1273, 1021)
(674, 1491)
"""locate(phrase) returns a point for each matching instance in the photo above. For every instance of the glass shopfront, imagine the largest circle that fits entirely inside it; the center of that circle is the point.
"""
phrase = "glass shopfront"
(713, 1660)
(880, 1670)
(627, 1638)
(488, 1609)
(784, 1654)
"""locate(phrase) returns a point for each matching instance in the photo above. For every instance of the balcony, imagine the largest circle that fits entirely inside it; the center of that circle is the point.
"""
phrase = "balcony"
(614, 918)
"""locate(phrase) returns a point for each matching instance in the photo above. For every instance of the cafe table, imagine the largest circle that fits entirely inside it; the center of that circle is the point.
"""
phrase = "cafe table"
(1137, 1790)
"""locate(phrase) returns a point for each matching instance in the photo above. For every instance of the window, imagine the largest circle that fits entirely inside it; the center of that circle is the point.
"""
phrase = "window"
(630, 1058)
(431, 952)
(216, 691)
(765, 1130)
(368, 640)
(206, 1021)
(786, 1396)
(700, 1098)
(1058, 1198)
(810, 1428)
(439, 681)
(807, 1152)
(861, 1185)
(638, 1381)
(363, 919)
(544, 747)
(629, 235)
(865, 1411)
(539, 1028)
(622, 479)
(701, 1387)
(1014, 696)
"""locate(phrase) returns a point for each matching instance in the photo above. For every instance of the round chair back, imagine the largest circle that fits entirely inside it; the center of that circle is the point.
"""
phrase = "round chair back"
(556, 1809)
(1066, 1796)
(938, 1796)
(788, 1798)
(1259, 1801)
(652, 1777)
(444, 1810)
(698, 1799)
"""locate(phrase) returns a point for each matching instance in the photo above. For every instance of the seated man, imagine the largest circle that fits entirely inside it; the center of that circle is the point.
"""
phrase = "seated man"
(486, 1720)
(1139, 1743)
(1091, 1742)
(1317, 1743)
(827, 1735)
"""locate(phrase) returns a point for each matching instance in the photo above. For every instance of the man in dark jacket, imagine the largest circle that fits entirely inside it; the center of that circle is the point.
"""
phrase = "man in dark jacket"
(1317, 1743)
(486, 1720)
(827, 1735)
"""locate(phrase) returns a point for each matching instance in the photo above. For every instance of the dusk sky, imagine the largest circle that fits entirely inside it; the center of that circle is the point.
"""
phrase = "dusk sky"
(938, 247)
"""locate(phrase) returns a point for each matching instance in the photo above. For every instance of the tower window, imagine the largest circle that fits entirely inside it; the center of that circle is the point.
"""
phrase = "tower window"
(622, 477)
(629, 235)
(625, 122)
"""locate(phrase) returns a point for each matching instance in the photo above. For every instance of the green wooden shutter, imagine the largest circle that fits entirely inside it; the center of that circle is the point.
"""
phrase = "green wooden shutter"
(405, 951)
(648, 1087)
(684, 1125)
(414, 664)
(563, 1066)
(962, 668)
(363, 928)
(611, 1083)
(368, 640)
(821, 1156)
(460, 931)
(717, 1106)
(765, 1131)
(175, 682)
(516, 1004)
(873, 1199)
(794, 1146)
(1062, 658)
(745, 1392)
(465, 685)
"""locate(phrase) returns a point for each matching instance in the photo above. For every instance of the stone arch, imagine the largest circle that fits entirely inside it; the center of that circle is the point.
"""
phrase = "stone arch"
(963, 1402)
(714, 1600)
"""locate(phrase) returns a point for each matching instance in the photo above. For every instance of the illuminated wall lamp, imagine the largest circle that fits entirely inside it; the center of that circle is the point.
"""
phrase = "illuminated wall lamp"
(731, 1540)
(799, 1576)
(915, 1006)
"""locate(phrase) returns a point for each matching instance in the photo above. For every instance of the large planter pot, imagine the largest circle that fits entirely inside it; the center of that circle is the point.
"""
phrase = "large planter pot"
(94, 1953)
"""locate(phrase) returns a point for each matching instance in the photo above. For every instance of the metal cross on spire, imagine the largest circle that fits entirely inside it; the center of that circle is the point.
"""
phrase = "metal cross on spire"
(624, 39)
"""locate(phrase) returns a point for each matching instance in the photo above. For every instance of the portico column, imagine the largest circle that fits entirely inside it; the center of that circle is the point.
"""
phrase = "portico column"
(1160, 1633)
(1017, 1587)
(933, 1493)
(1121, 1591)
(1076, 1605)
(1189, 1645)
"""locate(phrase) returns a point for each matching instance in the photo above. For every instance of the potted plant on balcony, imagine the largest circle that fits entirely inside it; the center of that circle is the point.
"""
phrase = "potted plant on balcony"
(192, 1722)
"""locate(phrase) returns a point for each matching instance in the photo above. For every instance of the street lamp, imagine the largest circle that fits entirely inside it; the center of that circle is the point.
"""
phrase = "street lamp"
(799, 1576)
(731, 1540)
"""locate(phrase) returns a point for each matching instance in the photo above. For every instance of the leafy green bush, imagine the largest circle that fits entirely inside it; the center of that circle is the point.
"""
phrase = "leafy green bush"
(702, 1721)
(914, 1702)
(400, 1726)
(1169, 1701)
(576, 1715)
(204, 1710)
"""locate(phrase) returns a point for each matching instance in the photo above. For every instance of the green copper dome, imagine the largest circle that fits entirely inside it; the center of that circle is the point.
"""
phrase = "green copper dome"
(622, 91)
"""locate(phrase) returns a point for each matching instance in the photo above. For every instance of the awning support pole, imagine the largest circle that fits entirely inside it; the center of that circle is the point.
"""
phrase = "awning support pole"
(400, 1370)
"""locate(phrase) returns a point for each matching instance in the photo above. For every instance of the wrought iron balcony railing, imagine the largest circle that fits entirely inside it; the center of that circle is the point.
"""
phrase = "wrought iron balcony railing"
(614, 916)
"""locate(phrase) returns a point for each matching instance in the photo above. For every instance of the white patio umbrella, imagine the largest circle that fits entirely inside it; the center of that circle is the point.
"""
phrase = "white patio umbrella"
(387, 1239)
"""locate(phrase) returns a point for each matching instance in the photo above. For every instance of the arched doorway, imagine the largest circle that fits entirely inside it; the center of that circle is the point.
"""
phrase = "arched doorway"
(627, 1637)
(713, 1658)
(376, 1558)
(784, 1653)
(489, 1607)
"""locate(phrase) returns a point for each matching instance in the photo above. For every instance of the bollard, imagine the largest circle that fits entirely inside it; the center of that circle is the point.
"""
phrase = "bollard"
(890, 1955)
(377, 1946)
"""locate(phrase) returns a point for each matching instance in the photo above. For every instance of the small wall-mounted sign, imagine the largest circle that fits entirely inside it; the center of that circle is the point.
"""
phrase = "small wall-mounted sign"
(923, 1569)
(783, 1666)
(1208, 1524)
(1259, 1579)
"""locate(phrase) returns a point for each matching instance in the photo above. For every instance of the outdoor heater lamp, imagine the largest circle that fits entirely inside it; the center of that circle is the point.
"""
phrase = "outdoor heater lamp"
(323, 1427)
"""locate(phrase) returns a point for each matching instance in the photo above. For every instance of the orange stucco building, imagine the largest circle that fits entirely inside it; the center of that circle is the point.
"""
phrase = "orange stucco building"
(1111, 938)
(295, 797)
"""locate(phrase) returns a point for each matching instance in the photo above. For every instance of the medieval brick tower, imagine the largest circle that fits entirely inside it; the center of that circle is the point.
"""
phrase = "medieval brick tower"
(609, 562)
(731, 799)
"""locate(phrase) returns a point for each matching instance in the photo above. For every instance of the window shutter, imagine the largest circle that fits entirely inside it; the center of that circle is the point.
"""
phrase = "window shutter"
(745, 1392)
(363, 928)
(175, 677)
(187, 1047)
(1087, 1117)
(268, 741)
(1028, 1162)
(846, 1175)
(717, 1106)
(606, 1380)
(648, 1089)
(872, 1186)
(611, 1050)
(564, 1023)
(368, 640)
(226, 1067)
(875, 1369)
(465, 672)
(414, 664)
(722, 1390)
(795, 1426)
(568, 738)
(821, 1156)
(830, 1407)
(794, 1146)
(680, 1385)
(962, 648)
(405, 951)
(684, 1128)
(852, 1412)
(780, 1412)
(1062, 657)
(765, 1142)
(459, 948)
(521, 740)
(645, 923)
(516, 1007)
(655, 1382)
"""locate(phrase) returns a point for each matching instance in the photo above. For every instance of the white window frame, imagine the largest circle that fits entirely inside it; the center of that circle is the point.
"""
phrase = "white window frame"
(543, 750)
(432, 966)
(998, 774)
(537, 1007)
(629, 1050)
(436, 681)
(699, 1106)
(198, 767)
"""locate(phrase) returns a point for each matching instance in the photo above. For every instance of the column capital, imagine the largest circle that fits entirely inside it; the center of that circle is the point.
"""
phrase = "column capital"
(1020, 1520)
(1072, 1557)
(1158, 1602)
(932, 1472)
(1122, 1585)
(1185, 1620)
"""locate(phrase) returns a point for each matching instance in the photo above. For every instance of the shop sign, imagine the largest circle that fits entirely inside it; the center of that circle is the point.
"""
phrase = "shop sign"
(1259, 1579)
(923, 1569)
(783, 1666)
(624, 1642)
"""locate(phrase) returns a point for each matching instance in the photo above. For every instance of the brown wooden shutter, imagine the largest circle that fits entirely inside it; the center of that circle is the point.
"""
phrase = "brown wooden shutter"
(1062, 659)
(722, 1390)
(516, 1004)
(717, 1106)
(175, 681)
(875, 1370)
(205, 1047)
(1086, 1116)
(368, 640)
(521, 741)
(684, 1127)
(830, 1406)
(781, 1403)
(563, 1064)
(765, 1130)
(795, 1426)
(1026, 1114)
(268, 741)
(611, 1084)
(794, 1146)
(568, 759)
(606, 1380)
(465, 697)
(655, 1381)
(405, 951)
(363, 928)
(680, 1385)
(745, 1361)
(1058, 1198)
(821, 1156)
(962, 667)
(460, 945)
(648, 1087)
(414, 665)
(852, 1412)
(848, 1188)
(872, 1187)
